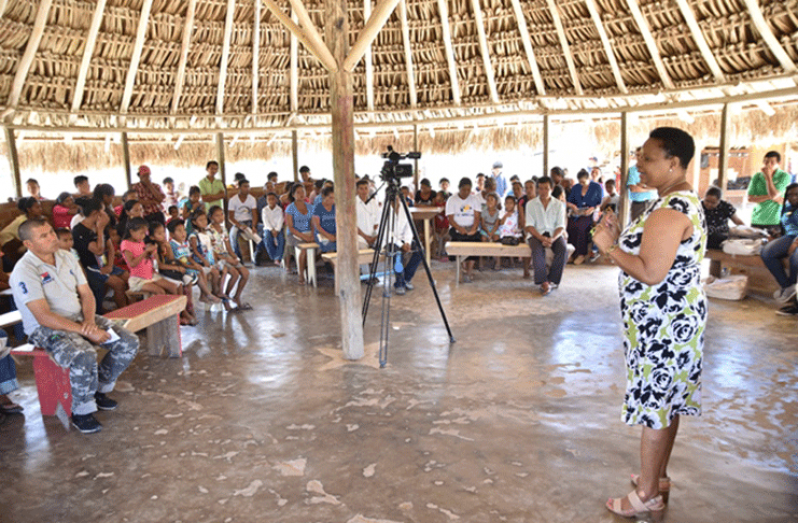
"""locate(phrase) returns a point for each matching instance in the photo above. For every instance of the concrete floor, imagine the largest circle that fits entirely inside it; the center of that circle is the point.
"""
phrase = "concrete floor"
(519, 421)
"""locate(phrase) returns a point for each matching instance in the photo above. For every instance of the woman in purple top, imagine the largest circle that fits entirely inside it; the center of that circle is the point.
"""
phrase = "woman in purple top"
(583, 200)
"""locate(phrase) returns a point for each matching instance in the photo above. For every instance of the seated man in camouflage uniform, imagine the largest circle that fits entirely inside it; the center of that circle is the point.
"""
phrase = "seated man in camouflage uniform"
(57, 307)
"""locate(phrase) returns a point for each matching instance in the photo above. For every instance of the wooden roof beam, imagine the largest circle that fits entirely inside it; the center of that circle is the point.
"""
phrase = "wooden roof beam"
(228, 32)
(256, 58)
(294, 72)
(367, 59)
(305, 32)
(411, 77)
(767, 35)
(88, 51)
(605, 41)
(188, 29)
(569, 59)
(698, 38)
(133, 69)
(23, 66)
(443, 8)
(651, 45)
(530, 53)
(375, 22)
(483, 46)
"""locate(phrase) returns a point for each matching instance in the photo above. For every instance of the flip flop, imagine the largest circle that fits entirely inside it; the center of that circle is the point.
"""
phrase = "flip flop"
(10, 408)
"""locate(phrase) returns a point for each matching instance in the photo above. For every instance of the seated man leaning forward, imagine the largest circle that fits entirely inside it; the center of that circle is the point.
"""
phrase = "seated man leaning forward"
(545, 223)
(57, 308)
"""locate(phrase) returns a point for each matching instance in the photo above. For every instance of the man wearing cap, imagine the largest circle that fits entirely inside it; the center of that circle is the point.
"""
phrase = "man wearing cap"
(150, 196)
(501, 182)
(57, 308)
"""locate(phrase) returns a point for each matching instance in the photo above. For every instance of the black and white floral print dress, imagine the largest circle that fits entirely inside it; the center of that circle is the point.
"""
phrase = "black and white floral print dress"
(664, 324)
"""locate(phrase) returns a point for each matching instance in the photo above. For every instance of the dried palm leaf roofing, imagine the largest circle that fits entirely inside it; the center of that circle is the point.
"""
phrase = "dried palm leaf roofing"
(230, 64)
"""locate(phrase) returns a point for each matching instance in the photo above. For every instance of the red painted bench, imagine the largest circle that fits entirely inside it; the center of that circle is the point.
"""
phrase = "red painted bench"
(160, 315)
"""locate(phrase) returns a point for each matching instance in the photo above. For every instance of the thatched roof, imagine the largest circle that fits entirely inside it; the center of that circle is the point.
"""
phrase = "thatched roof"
(205, 65)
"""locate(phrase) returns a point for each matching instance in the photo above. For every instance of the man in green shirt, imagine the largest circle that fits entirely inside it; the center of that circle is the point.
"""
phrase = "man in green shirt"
(766, 190)
(212, 190)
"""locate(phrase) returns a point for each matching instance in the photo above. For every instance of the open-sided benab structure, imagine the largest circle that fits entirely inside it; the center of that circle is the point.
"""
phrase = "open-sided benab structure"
(259, 68)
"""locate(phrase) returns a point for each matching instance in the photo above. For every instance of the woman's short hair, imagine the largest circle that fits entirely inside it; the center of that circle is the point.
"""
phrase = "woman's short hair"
(582, 174)
(675, 142)
(714, 191)
(327, 191)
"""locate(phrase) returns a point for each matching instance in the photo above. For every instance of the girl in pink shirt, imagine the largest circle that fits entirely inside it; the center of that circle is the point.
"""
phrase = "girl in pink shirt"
(139, 258)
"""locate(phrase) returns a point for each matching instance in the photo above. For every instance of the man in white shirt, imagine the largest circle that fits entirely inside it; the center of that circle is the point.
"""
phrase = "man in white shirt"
(463, 211)
(545, 223)
(401, 240)
(242, 211)
(368, 216)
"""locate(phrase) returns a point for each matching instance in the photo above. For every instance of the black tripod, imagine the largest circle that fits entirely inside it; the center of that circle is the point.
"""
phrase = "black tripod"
(391, 257)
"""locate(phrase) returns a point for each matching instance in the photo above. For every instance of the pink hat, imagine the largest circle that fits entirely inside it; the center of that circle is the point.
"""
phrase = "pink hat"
(144, 170)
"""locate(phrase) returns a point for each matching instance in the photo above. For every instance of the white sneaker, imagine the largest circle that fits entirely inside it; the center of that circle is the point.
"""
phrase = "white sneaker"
(784, 295)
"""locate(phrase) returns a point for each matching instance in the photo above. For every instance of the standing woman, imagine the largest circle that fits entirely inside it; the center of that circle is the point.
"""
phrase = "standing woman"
(664, 312)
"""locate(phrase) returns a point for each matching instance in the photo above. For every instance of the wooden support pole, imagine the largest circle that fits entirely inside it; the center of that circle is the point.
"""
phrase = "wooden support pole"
(126, 160)
(343, 139)
(623, 194)
(546, 143)
(415, 148)
(222, 170)
(13, 160)
(723, 163)
(295, 153)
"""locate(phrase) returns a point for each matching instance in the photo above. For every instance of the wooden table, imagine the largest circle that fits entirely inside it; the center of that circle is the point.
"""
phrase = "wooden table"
(426, 214)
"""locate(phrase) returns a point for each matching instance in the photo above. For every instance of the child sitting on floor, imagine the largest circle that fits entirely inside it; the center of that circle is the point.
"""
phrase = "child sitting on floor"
(140, 261)
(181, 250)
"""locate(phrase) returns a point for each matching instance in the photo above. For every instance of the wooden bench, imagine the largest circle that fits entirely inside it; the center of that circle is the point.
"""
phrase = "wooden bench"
(759, 278)
(365, 257)
(9, 319)
(465, 249)
(160, 315)
(310, 264)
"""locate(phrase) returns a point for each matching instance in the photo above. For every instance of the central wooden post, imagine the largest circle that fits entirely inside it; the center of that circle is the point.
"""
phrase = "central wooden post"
(623, 192)
(13, 159)
(343, 141)
(126, 159)
(723, 163)
(546, 144)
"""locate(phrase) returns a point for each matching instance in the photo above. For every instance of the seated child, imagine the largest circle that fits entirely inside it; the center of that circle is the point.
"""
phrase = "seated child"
(489, 226)
(441, 226)
(181, 250)
(66, 241)
(225, 257)
(173, 213)
(140, 261)
(170, 269)
(199, 242)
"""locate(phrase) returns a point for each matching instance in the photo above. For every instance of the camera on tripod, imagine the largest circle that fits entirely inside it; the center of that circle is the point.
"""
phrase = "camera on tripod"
(392, 171)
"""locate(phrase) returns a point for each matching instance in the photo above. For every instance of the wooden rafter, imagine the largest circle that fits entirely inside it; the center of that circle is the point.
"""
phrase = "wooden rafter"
(375, 22)
(700, 41)
(566, 49)
(651, 45)
(188, 29)
(305, 32)
(520, 19)
(367, 60)
(767, 35)
(23, 67)
(255, 58)
(88, 52)
(443, 8)
(294, 73)
(483, 47)
(133, 69)
(605, 41)
(411, 77)
(228, 33)
(3, 5)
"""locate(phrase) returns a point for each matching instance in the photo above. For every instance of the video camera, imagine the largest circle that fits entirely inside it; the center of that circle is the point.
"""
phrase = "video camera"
(392, 170)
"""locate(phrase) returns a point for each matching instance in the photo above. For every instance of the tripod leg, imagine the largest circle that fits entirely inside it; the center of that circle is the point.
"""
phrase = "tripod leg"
(426, 268)
(376, 260)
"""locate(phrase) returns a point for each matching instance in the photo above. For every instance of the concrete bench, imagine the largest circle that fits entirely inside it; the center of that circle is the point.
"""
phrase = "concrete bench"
(310, 265)
(160, 315)
(759, 278)
(365, 257)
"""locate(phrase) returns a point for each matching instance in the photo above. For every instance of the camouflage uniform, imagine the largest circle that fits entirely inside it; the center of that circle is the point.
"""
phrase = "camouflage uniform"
(73, 351)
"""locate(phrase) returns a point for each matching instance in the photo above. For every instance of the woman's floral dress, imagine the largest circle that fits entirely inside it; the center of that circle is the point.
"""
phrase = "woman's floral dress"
(664, 324)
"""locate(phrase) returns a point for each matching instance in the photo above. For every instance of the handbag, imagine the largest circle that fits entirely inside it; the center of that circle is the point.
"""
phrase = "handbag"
(509, 240)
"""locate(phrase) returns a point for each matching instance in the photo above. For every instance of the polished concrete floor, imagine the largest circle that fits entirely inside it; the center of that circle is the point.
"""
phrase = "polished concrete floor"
(518, 421)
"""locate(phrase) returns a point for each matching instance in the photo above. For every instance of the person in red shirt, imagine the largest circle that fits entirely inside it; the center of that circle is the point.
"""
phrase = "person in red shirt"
(150, 196)
(63, 210)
